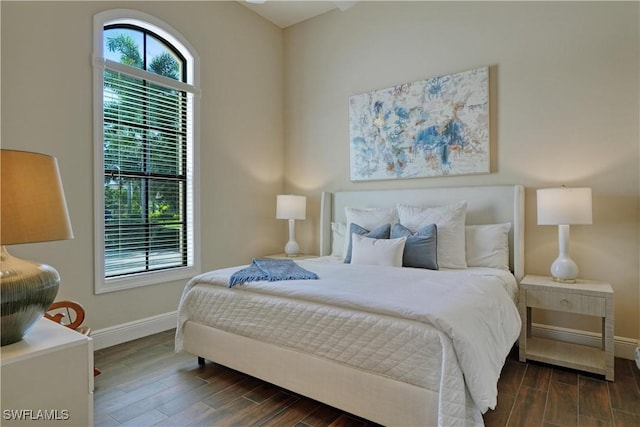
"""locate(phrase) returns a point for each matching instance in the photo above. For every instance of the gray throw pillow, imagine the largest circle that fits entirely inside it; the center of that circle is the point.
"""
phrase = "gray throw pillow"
(420, 250)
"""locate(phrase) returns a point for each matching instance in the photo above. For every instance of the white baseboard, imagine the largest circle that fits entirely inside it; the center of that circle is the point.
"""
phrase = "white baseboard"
(129, 331)
(622, 347)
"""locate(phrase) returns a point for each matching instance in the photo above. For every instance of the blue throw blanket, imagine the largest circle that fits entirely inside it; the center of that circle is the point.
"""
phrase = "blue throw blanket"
(271, 270)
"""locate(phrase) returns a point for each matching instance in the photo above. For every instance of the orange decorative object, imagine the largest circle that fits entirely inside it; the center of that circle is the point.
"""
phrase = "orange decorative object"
(74, 314)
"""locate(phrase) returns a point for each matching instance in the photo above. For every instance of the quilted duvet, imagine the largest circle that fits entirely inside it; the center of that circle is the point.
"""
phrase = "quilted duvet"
(448, 331)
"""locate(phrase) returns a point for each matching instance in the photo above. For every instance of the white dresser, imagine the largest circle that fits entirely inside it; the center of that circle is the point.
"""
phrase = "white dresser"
(47, 378)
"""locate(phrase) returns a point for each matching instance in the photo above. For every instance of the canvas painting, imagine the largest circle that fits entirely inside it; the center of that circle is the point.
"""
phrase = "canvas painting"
(433, 127)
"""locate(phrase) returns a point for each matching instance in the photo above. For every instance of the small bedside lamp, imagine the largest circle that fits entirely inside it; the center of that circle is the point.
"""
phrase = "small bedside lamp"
(32, 209)
(564, 207)
(291, 207)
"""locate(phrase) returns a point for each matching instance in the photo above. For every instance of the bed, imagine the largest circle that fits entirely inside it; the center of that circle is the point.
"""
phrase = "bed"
(397, 346)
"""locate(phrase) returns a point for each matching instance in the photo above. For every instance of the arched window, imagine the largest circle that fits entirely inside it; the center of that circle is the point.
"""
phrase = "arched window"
(145, 81)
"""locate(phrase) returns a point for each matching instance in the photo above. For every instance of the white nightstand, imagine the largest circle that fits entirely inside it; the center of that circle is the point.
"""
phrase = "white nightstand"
(586, 297)
(50, 370)
(295, 258)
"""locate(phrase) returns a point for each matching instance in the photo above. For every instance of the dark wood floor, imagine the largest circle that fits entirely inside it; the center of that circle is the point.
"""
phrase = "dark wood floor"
(531, 394)
(144, 383)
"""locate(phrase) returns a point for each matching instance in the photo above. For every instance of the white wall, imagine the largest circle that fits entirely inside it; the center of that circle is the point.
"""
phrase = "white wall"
(47, 107)
(564, 94)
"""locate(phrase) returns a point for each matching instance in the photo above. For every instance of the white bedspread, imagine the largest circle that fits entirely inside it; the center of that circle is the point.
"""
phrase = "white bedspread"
(473, 312)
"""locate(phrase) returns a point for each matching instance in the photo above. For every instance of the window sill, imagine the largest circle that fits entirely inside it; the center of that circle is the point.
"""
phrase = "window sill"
(144, 279)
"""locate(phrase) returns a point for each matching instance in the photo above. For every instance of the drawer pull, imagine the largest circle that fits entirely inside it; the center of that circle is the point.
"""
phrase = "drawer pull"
(564, 302)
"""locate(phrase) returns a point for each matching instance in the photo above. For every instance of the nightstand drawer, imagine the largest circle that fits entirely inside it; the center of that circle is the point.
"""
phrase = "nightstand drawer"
(570, 303)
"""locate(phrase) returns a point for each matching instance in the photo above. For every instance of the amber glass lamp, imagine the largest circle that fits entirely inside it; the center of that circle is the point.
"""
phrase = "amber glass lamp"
(32, 209)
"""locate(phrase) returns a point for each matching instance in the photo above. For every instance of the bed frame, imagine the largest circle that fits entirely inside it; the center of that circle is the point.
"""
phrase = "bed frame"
(374, 397)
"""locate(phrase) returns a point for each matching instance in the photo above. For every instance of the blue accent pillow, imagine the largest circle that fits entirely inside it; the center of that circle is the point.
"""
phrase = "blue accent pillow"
(420, 250)
(380, 232)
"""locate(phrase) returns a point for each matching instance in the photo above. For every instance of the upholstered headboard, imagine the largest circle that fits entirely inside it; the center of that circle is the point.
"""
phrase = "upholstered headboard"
(485, 205)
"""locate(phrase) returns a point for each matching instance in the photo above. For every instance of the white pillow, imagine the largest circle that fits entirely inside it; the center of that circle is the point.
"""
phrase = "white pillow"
(368, 218)
(488, 245)
(366, 250)
(450, 221)
(338, 231)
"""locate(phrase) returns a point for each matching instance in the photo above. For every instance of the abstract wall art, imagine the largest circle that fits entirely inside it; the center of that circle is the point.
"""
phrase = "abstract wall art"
(433, 127)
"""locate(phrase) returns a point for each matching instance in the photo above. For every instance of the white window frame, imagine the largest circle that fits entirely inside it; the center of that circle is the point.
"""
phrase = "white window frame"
(162, 29)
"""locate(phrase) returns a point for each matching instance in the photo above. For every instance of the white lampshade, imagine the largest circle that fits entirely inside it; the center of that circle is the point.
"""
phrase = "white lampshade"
(564, 206)
(291, 207)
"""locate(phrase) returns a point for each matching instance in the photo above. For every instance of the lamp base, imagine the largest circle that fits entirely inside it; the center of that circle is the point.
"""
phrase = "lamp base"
(27, 290)
(292, 249)
(564, 270)
(556, 279)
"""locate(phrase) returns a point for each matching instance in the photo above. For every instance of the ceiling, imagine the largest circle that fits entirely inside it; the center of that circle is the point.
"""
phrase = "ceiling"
(287, 13)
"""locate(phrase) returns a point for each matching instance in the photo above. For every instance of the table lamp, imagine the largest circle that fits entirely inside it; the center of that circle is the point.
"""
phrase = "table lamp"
(564, 207)
(32, 209)
(291, 207)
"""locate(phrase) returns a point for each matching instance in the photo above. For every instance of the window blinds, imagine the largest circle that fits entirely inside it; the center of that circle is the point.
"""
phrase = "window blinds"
(148, 214)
